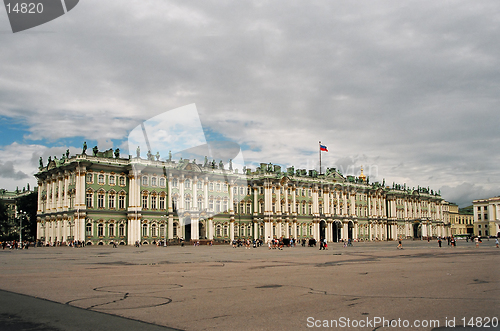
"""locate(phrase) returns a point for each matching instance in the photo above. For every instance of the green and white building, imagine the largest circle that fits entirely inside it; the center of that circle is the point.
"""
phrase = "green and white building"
(103, 198)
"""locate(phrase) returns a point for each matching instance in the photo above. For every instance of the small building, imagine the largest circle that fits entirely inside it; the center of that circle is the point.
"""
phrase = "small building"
(487, 217)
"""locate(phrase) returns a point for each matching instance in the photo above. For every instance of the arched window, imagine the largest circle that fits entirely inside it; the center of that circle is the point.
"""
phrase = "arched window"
(188, 202)
(154, 230)
(111, 180)
(100, 230)
(144, 180)
(121, 230)
(153, 201)
(154, 181)
(88, 229)
(187, 183)
(200, 203)
(100, 179)
(218, 230)
(144, 230)
(162, 231)
(162, 182)
(174, 182)
(111, 230)
(89, 178)
(89, 199)
(100, 200)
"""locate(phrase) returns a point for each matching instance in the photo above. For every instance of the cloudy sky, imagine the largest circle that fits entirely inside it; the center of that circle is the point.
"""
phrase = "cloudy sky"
(408, 89)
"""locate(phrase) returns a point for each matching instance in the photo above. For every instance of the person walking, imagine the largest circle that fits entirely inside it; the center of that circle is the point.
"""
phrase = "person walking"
(400, 244)
(439, 242)
(496, 242)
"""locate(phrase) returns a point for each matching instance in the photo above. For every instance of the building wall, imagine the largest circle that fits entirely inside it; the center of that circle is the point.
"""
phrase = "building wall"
(101, 200)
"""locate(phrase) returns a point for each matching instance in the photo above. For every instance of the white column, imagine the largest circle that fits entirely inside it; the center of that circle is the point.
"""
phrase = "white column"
(231, 230)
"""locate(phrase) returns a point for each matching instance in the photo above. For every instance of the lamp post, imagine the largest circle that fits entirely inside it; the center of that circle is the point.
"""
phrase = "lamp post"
(21, 226)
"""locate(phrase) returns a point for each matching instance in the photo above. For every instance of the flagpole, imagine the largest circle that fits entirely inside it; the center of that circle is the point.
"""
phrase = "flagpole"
(320, 157)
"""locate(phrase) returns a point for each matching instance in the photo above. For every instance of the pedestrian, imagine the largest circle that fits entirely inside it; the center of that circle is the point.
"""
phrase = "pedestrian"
(496, 242)
(400, 244)
(476, 240)
(439, 241)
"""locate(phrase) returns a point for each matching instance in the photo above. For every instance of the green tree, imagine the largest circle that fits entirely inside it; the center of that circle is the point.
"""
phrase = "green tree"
(4, 221)
(28, 204)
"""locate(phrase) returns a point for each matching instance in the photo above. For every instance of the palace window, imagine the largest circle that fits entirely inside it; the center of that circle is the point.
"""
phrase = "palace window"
(162, 182)
(111, 201)
(261, 205)
(211, 186)
(174, 230)
(211, 205)
(162, 202)
(274, 207)
(153, 202)
(225, 230)
(89, 199)
(249, 208)
(218, 187)
(89, 178)
(121, 230)
(199, 185)
(224, 187)
(162, 231)
(111, 180)
(111, 230)
(144, 202)
(88, 229)
(261, 190)
(188, 202)
(144, 180)
(100, 200)
(122, 180)
(218, 230)
(187, 183)
(175, 182)
(217, 206)
(154, 180)
(100, 179)
(200, 203)
(121, 202)
(224, 206)
(174, 203)
(100, 230)
(242, 192)
(154, 230)
(144, 230)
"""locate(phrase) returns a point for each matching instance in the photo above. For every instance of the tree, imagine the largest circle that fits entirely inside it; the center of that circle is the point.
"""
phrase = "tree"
(4, 221)
(28, 204)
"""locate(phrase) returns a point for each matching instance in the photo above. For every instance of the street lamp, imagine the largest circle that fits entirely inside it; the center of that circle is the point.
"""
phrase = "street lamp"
(21, 226)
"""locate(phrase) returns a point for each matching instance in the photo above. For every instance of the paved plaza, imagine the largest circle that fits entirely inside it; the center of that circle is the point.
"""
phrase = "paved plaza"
(225, 288)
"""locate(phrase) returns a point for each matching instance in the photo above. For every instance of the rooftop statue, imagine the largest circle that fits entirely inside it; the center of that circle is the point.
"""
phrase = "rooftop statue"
(84, 148)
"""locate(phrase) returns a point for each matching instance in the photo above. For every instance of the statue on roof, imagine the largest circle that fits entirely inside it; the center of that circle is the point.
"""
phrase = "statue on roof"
(117, 153)
(169, 156)
(221, 165)
(205, 164)
(49, 160)
(95, 150)
(41, 162)
(138, 151)
(84, 148)
(157, 156)
(230, 164)
(67, 153)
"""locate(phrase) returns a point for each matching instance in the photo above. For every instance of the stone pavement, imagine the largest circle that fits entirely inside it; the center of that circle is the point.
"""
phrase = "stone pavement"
(222, 288)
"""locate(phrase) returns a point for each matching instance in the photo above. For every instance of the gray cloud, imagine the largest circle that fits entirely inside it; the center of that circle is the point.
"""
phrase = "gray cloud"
(7, 171)
(412, 87)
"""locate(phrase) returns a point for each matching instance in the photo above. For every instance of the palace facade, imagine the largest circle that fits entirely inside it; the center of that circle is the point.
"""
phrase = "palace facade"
(104, 199)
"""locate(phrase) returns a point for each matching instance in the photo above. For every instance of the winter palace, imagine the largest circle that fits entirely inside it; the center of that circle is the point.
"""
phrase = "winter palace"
(103, 198)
